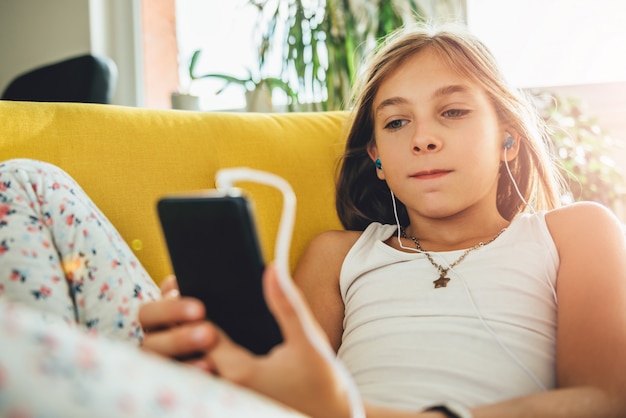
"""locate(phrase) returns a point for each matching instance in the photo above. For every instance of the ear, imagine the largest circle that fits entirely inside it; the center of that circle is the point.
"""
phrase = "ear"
(513, 145)
(372, 151)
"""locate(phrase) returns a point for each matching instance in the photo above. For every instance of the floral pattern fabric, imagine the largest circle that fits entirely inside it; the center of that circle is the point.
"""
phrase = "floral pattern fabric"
(70, 291)
(59, 253)
(51, 370)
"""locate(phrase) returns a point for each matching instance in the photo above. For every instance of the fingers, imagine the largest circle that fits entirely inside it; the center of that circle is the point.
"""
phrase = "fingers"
(182, 341)
(170, 311)
(274, 294)
(293, 372)
(203, 362)
(169, 287)
(294, 321)
(176, 327)
(232, 361)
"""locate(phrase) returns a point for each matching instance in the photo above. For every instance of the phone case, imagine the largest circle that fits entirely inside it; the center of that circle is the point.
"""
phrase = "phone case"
(216, 257)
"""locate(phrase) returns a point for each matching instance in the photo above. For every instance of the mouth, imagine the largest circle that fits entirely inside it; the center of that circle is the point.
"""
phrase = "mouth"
(430, 174)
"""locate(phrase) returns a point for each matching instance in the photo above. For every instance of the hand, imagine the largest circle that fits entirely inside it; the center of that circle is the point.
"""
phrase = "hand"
(294, 372)
(175, 327)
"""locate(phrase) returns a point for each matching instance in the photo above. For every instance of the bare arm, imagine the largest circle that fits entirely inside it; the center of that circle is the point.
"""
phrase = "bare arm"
(591, 335)
(591, 338)
(317, 275)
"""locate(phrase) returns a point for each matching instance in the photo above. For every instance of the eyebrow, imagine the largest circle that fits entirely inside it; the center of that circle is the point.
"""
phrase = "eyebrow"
(440, 92)
(389, 102)
(448, 90)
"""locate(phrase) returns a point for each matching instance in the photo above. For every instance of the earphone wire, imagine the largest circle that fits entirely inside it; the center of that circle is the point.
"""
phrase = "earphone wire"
(532, 209)
(479, 315)
(501, 343)
(399, 230)
(519, 193)
(224, 180)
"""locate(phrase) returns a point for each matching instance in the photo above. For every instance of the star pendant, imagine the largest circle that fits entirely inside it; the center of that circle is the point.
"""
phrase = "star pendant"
(442, 281)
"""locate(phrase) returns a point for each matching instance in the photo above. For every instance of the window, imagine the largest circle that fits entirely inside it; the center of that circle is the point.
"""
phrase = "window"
(537, 42)
(553, 42)
(224, 31)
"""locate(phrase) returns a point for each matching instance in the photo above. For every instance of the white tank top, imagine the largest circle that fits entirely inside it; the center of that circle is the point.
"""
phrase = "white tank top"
(409, 345)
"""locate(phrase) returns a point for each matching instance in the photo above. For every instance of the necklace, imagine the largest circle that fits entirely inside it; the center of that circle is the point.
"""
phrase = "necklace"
(443, 280)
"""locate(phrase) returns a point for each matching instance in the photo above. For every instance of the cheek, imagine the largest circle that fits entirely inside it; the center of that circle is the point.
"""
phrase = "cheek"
(489, 148)
(481, 160)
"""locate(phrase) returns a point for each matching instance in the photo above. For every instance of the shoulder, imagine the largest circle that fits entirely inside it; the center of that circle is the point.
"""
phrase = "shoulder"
(321, 262)
(580, 210)
(331, 245)
(591, 244)
(583, 220)
(317, 276)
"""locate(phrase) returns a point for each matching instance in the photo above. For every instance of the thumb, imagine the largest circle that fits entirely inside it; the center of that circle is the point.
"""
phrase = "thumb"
(289, 308)
(232, 361)
(169, 287)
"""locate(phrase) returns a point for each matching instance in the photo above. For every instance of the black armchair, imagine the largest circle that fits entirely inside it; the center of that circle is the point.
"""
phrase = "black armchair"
(86, 79)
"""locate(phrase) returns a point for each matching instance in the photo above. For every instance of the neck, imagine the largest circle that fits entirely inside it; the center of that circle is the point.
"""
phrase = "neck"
(452, 234)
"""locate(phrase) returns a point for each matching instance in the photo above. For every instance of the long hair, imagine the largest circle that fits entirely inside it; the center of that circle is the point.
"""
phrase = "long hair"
(361, 198)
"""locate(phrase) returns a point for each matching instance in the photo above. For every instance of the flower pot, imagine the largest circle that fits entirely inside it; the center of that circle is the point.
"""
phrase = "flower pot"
(182, 101)
(259, 99)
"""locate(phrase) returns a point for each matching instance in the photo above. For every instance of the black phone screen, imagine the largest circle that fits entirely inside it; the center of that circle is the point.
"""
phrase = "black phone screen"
(216, 257)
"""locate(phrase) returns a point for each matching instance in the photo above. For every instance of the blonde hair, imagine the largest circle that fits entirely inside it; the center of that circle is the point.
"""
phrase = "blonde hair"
(362, 198)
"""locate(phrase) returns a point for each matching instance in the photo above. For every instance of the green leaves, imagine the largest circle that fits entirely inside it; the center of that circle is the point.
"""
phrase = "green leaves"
(323, 42)
(251, 82)
(583, 150)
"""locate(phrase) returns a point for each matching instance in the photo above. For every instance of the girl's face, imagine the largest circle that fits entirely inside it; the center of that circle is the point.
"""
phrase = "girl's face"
(438, 138)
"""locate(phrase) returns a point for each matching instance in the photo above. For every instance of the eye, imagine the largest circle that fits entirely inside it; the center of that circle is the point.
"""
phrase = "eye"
(396, 124)
(455, 113)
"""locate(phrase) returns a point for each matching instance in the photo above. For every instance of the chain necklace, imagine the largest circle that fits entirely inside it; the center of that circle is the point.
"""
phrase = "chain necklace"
(443, 280)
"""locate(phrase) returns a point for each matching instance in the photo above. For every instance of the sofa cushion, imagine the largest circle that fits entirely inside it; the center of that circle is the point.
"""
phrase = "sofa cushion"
(126, 158)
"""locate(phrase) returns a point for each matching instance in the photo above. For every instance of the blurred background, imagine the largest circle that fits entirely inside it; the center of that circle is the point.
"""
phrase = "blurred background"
(288, 55)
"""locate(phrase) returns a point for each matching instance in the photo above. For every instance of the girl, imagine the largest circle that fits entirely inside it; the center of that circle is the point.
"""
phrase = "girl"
(459, 286)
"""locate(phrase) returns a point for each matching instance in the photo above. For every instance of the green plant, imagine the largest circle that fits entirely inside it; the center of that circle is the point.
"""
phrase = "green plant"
(583, 150)
(322, 43)
(254, 82)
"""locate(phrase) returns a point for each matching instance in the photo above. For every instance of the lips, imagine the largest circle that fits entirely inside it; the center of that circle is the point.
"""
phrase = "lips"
(430, 174)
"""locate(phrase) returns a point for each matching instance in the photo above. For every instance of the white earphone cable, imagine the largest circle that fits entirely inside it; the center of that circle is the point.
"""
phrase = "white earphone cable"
(508, 170)
(480, 317)
(490, 330)
(224, 180)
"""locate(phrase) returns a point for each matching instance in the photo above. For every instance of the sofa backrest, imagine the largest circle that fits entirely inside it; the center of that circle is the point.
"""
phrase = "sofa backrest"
(126, 158)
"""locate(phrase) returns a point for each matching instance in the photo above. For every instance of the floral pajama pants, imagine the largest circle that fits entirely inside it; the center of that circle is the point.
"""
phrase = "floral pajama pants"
(70, 291)
(60, 255)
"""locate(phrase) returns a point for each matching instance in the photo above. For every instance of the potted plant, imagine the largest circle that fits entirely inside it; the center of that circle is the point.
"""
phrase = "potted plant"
(258, 90)
(183, 99)
(322, 42)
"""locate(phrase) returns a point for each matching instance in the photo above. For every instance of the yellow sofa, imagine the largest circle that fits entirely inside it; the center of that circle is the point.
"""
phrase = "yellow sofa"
(126, 158)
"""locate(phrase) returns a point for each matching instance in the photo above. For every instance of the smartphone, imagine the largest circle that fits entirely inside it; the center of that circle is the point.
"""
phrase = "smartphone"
(216, 257)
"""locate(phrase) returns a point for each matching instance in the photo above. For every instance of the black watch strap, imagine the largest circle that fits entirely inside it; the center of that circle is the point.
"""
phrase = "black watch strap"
(451, 410)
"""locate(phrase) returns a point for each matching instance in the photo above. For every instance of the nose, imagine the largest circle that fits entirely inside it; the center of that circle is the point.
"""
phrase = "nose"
(425, 141)
(430, 147)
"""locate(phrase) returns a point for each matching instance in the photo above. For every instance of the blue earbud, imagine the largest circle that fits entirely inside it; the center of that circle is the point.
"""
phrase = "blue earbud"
(378, 164)
(508, 142)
